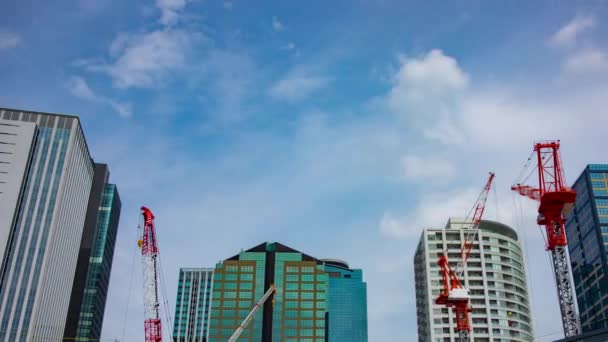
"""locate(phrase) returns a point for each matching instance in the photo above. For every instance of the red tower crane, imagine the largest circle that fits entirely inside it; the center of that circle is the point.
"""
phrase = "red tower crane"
(556, 201)
(454, 294)
(149, 252)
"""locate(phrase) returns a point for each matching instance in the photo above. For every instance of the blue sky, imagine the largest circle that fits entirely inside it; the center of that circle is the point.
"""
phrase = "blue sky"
(338, 128)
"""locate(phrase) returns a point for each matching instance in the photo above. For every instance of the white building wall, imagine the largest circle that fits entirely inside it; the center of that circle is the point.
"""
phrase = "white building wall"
(494, 274)
(59, 264)
(16, 143)
(36, 287)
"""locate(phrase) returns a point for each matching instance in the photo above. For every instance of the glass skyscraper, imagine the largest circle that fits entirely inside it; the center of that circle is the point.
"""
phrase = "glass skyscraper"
(90, 286)
(587, 232)
(347, 302)
(300, 310)
(47, 173)
(192, 307)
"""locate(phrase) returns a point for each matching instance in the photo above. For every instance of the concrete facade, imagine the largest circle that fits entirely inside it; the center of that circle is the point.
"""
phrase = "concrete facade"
(494, 274)
(16, 146)
(40, 259)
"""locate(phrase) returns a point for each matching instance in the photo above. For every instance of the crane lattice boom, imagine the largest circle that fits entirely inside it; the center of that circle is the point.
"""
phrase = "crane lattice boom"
(453, 293)
(249, 317)
(149, 252)
(556, 201)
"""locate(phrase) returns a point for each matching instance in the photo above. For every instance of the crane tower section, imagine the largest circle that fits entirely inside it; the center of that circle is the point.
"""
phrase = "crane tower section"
(149, 252)
(556, 201)
(454, 294)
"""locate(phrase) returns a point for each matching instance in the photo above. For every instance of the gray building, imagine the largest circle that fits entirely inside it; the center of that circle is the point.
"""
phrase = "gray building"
(47, 174)
(192, 309)
(494, 274)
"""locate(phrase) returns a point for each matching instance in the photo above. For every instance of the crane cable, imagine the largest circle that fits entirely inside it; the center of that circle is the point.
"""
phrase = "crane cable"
(523, 170)
(124, 324)
(496, 204)
(166, 306)
(519, 221)
(471, 234)
(163, 289)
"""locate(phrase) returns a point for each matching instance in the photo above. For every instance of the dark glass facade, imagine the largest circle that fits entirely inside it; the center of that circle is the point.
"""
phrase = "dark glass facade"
(89, 292)
(347, 303)
(587, 232)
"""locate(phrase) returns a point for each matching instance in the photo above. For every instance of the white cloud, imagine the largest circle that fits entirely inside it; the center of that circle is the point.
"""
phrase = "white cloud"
(232, 79)
(432, 211)
(503, 120)
(567, 35)
(290, 46)
(434, 71)
(145, 60)
(277, 25)
(420, 168)
(124, 109)
(170, 10)
(445, 130)
(587, 61)
(228, 5)
(79, 88)
(427, 92)
(298, 84)
(391, 226)
(9, 40)
(434, 96)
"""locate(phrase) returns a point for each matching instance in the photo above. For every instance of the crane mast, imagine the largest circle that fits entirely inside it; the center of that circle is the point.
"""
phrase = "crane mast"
(149, 252)
(249, 317)
(454, 294)
(556, 201)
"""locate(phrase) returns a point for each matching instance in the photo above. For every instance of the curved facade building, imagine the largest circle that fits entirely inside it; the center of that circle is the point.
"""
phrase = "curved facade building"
(495, 275)
(347, 302)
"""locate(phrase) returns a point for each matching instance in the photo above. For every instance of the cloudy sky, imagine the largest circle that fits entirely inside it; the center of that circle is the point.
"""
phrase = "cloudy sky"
(341, 129)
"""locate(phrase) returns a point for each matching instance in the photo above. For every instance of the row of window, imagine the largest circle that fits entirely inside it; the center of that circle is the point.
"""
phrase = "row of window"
(234, 268)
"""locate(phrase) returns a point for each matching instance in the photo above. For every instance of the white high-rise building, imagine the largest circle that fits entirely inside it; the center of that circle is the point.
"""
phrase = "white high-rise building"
(495, 275)
(46, 174)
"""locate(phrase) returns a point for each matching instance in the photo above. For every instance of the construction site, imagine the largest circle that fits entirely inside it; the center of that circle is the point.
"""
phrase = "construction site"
(470, 277)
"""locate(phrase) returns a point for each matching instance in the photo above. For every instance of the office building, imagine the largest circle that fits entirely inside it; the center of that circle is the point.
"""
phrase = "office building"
(46, 173)
(587, 232)
(494, 274)
(347, 302)
(90, 286)
(298, 311)
(212, 303)
(194, 293)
